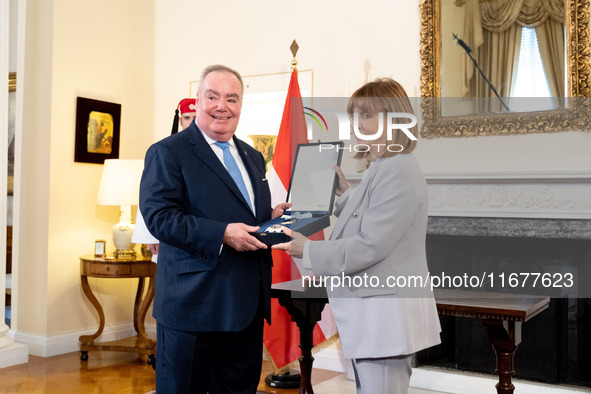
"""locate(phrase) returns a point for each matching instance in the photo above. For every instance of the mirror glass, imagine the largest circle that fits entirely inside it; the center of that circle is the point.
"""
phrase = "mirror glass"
(515, 49)
(515, 66)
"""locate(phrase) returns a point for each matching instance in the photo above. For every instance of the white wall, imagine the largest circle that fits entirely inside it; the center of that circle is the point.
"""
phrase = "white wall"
(565, 151)
(345, 43)
(101, 50)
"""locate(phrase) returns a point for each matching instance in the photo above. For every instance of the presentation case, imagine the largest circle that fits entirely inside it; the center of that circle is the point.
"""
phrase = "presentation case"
(311, 192)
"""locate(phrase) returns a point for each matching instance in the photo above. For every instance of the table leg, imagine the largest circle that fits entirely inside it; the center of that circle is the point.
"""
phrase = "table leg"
(89, 339)
(504, 337)
(306, 313)
(137, 303)
(141, 313)
(306, 359)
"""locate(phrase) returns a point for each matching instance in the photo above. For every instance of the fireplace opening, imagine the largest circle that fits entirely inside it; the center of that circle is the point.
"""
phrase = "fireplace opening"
(556, 344)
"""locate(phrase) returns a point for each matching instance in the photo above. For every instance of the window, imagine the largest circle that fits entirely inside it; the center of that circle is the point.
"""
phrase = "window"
(531, 81)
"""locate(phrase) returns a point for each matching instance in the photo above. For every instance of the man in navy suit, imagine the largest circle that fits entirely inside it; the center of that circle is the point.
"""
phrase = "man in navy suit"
(213, 281)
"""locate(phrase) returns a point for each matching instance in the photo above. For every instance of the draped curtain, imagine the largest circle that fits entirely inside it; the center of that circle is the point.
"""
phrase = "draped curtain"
(492, 29)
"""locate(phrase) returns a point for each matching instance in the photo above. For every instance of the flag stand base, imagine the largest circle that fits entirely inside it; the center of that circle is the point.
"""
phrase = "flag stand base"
(288, 380)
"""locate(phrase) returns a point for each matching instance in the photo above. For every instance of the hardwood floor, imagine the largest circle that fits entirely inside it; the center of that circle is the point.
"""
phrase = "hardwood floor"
(104, 372)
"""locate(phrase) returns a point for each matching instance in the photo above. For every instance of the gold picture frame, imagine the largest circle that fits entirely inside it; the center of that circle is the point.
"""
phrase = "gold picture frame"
(11, 82)
(11, 89)
(98, 127)
(574, 117)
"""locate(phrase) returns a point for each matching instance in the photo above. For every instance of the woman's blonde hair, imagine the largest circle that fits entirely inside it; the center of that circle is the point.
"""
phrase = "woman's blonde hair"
(385, 95)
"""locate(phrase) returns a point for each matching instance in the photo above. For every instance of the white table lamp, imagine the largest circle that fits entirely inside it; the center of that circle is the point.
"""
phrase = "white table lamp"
(120, 185)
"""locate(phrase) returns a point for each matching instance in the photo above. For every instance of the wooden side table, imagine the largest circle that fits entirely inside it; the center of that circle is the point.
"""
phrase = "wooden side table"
(109, 267)
(502, 316)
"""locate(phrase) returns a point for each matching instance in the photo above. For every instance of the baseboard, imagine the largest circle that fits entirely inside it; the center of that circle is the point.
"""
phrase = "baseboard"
(456, 382)
(15, 354)
(448, 381)
(151, 330)
(331, 359)
(66, 343)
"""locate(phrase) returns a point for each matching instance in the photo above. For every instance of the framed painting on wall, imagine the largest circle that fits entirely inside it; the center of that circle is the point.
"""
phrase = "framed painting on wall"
(97, 131)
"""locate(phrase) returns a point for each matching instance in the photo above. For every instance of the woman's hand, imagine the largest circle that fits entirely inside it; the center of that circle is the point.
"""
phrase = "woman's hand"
(342, 184)
(295, 247)
(279, 209)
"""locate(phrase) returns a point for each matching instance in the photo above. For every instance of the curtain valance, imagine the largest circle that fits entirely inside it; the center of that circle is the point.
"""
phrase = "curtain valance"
(498, 15)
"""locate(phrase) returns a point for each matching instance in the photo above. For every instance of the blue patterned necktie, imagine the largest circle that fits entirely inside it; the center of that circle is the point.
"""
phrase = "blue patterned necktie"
(234, 171)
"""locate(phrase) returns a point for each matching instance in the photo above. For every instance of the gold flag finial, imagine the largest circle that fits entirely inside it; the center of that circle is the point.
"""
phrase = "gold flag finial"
(294, 50)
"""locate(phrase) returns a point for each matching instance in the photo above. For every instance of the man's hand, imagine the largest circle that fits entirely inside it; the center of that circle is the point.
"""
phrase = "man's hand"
(153, 248)
(279, 209)
(237, 236)
(294, 248)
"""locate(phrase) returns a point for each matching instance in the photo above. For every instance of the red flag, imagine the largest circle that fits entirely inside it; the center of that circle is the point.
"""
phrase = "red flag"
(281, 338)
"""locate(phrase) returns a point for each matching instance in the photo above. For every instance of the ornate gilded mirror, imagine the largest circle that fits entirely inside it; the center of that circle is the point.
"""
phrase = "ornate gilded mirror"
(567, 111)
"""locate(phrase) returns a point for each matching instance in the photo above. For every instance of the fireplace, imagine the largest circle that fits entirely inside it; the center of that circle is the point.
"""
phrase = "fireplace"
(556, 345)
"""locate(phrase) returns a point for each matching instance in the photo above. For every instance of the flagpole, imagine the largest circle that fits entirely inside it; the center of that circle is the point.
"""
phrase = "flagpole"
(287, 342)
(294, 51)
(290, 378)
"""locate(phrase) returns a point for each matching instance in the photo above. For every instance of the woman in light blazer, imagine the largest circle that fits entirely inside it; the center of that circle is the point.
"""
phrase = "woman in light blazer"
(383, 306)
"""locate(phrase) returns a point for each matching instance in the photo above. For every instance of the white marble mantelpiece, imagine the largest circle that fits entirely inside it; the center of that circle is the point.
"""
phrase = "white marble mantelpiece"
(510, 227)
(557, 195)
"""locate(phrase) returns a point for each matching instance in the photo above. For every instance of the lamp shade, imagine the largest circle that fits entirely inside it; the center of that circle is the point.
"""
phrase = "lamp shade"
(120, 182)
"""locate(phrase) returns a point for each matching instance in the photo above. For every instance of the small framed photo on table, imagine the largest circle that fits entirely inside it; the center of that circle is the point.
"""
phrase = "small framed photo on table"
(100, 248)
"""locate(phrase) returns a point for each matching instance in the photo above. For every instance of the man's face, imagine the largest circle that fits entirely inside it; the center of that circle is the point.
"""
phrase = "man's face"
(186, 119)
(218, 105)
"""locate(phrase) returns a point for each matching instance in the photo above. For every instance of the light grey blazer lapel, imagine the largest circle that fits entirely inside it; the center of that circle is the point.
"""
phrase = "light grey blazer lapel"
(353, 202)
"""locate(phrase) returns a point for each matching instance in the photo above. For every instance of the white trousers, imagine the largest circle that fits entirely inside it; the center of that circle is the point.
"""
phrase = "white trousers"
(389, 375)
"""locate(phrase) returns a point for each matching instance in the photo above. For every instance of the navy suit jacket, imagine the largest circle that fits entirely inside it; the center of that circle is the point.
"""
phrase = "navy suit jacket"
(187, 198)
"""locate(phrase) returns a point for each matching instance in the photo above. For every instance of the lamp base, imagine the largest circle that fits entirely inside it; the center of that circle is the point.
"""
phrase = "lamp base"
(124, 254)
